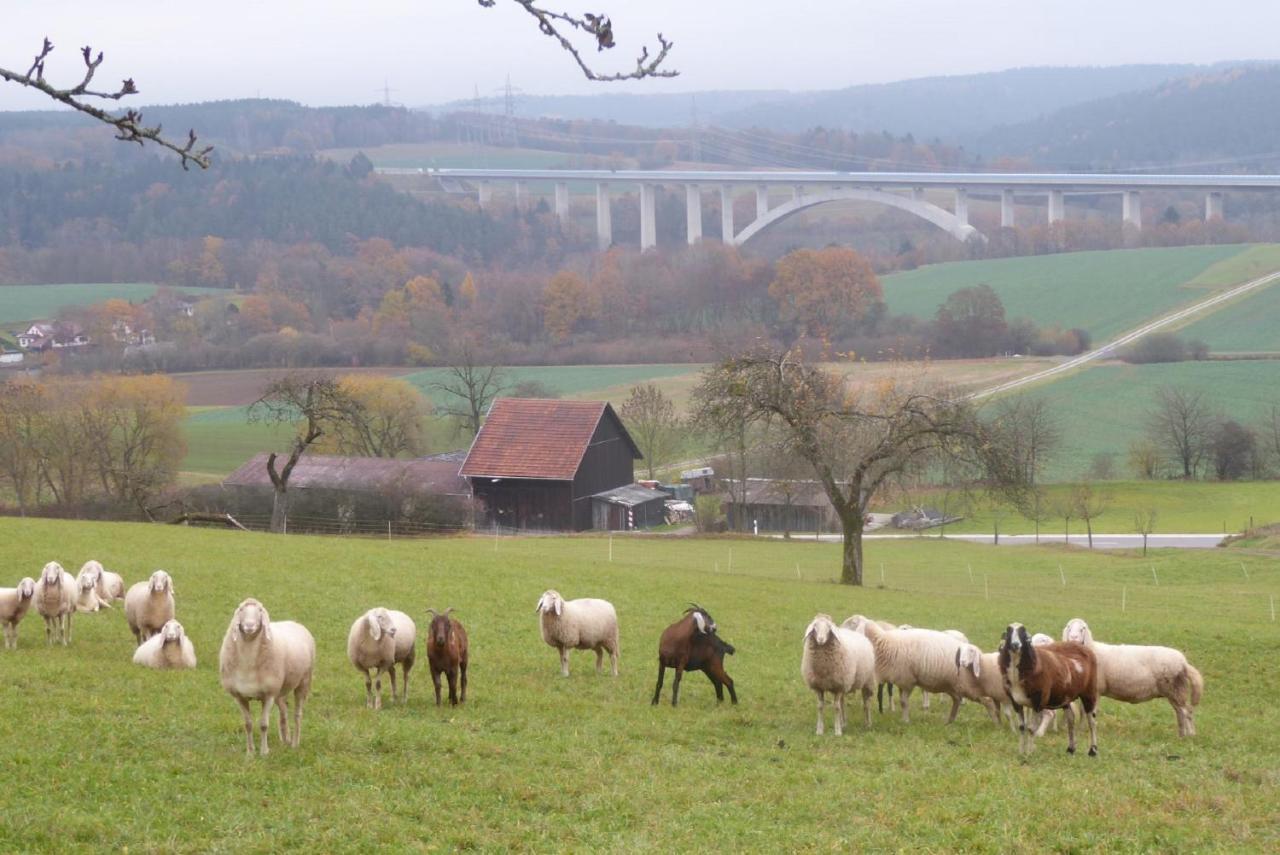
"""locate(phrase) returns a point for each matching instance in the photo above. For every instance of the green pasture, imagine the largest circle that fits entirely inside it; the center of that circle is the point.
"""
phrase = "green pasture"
(101, 754)
(36, 302)
(1104, 292)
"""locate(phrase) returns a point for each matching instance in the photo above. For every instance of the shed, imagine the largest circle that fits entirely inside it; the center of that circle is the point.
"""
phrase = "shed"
(536, 463)
(700, 479)
(780, 505)
(629, 507)
(359, 474)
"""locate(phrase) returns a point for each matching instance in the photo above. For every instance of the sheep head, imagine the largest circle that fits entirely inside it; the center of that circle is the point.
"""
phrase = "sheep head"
(857, 623)
(87, 582)
(51, 575)
(172, 632)
(441, 629)
(379, 621)
(821, 630)
(969, 656)
(250, 620)
(26, 588)
(551, 602)
(160, 583)
(92, 569)
(1016, 648)
(1078, 631)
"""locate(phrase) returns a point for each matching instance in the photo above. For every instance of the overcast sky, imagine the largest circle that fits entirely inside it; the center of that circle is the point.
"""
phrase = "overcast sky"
(328, 52)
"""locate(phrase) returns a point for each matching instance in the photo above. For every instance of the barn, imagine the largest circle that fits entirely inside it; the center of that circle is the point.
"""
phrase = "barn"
(536, 463)
(780, 505)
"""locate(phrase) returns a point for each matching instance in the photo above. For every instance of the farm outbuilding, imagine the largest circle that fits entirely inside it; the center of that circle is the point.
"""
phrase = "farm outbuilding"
(628, 507)
(778, 505)
(536, 463)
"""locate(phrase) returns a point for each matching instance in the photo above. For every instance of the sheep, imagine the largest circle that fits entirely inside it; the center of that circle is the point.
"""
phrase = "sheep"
(585, 624)
(168, 649)
(371, 646)
(839, 661)
(691, 644)
(110, 585)
(854, 623)
(1049, 677)
(56, 602)
(448, 654)
(406, 651)
(1135, 673)
(87, 581)
(265, 661)
(14, 603)
(908, 658)
(148, 605)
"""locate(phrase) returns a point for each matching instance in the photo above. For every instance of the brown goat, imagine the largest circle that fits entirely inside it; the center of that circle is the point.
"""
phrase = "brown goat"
(691, 644)
(1049, 677)
(447, 653)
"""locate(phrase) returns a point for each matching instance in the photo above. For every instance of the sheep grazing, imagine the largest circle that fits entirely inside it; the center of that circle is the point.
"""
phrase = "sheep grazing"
(265, 661)
(911, 658)
(1135, 673)
(168, 649)
(87, 581)
(148, 605)
(14, 603)
(56, 602)
(406, 651)
(1049, 677)
(371, 647)
(447, 653)
(839, 661)
(692, 644)
(585, 624)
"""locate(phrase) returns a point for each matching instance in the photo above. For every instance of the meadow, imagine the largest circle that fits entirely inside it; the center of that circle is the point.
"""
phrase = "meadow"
(101, 754)
(39, 302)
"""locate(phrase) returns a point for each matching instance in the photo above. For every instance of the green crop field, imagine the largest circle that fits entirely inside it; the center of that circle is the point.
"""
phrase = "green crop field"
(101, 754)
(1103, 292)
(37, 302)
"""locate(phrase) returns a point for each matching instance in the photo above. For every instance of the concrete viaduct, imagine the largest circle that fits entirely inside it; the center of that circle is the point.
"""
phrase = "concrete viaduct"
(903, 190)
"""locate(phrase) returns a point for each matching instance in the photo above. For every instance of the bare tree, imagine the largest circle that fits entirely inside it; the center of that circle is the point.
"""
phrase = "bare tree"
(1031, 427)
(129, 126)
(1144, 522)
(651, 420)
(788, 476)
(470, 386)
(1180, 423)
(1089, 502)
(1037, 509)
(1271, 432)
(310, 401)
(854, 439)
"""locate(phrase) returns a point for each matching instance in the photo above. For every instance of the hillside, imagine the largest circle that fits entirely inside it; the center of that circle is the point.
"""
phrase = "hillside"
(40, 302)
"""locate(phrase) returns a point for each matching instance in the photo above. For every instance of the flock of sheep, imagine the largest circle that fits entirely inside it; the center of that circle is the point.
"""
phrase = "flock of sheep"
(272, 662)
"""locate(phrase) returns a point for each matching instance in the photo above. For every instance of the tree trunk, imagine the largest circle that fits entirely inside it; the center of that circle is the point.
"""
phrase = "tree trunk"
(279, 509)
(1088, 525)
(851, 569)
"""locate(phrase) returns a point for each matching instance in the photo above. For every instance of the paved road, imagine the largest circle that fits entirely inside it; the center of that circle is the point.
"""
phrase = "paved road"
(1100, 541)
(1111, 347)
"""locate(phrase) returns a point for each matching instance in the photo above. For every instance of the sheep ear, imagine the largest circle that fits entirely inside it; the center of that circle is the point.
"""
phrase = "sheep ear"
(700, 622)
(957, 658)
(559, 606)
(977, 664)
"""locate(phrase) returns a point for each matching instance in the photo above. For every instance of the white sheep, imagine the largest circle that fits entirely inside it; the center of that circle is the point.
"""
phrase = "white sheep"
(110, 585)
(14, 603)
(167, 649)
(1135, 673)
(980, 680)
(854, 623)
(56, 602)
(87, 581)
(265, 661)
(839, 661)
(406, 651)
(371, 647)
(910, 658)
(148, 605)
(585, 624)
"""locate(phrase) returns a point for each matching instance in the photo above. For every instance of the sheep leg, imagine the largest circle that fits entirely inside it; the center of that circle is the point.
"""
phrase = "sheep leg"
(924, 701)
(839, 722)
(392, 672)
(822, 708)
(368, 690)
(955, 708)
(377, 688)
(866, 706)
(462, 668)
(248, 725)
(1184, 718)
(904, 701)
(613, 657)
(1090, 708)
(599, 659)
(657, 690)
(1047, 717)
(715, 670)
(66, 629)
(1070, 713)
(265, 723)
(453, 686)
(299, 699)
(48, 631)
(435, 678)
(564, 662)
(991, 709)
(675, 685)
(282, 706)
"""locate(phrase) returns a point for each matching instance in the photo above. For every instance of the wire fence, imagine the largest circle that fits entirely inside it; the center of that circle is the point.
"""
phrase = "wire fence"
(388, 528)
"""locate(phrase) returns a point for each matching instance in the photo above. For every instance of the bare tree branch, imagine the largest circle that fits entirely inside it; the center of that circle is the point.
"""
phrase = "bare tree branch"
(600, 28)
(128, 125)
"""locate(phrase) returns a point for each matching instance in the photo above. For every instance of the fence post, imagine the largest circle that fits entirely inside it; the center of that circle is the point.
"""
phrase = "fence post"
(388, 529)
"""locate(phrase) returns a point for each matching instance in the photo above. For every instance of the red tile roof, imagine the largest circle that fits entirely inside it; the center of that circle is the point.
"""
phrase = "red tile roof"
(536, 438)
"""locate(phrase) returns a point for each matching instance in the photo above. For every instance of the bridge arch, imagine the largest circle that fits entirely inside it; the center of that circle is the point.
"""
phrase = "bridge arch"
(940, 217)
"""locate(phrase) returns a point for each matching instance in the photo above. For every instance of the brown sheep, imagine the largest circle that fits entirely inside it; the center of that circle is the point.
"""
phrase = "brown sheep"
(691, 644)
(1049, 677)
(447, 652)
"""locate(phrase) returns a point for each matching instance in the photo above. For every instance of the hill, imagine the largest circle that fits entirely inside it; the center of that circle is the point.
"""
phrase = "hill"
(1104, 292)
(536, 761)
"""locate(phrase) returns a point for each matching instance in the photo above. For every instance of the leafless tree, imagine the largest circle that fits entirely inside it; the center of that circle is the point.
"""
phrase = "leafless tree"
(128, 124)
(1031, 426)
(470, 385)
(789, 476)
(1144, 522)
(1089, 502)
(855, 439)
(1180, 423)
(651, 420)
(309, 400)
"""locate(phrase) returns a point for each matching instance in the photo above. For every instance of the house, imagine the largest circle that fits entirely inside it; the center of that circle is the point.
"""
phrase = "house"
(537, 463)
(780, 505)
(628, 507)
(44, 336)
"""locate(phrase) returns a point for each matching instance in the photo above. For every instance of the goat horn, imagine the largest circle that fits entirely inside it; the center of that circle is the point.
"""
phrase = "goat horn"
(433, 613)
(446, 611)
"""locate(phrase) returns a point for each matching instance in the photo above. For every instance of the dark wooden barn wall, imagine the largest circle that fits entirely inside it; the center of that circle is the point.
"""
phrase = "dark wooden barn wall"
(607, 464)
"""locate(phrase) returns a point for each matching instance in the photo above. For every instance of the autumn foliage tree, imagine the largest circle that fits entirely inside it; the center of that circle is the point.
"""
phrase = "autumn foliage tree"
(823, 292)
(380, 417)
(568, 301)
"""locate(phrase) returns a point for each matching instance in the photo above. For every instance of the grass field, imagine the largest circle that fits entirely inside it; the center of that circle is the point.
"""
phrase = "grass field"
(1102, 292)
(104, 755)
(37, 302)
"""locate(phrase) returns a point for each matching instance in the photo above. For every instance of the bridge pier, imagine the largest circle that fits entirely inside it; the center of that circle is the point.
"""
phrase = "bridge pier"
(604, 218)
(1213, 209)
(484, 192)
(522, 193)
(693, 212)
(762, 200)
(917, 194)
(962, 205)
(1057, 207)
(726, 214)
(648, 218)
(562, 200)
(1006, 209)
(1133, 208)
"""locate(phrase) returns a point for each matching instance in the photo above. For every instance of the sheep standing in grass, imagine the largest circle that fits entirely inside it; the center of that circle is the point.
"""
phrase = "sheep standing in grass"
(406, 651)
(371, 647)
(585, 624)
(854, 623)
(56, 602)
(148, 605)
(265, 661)
(87, 581)
(168, 649)
(14, 603)
(911, 658)
(839, 661)
(1135, 673)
